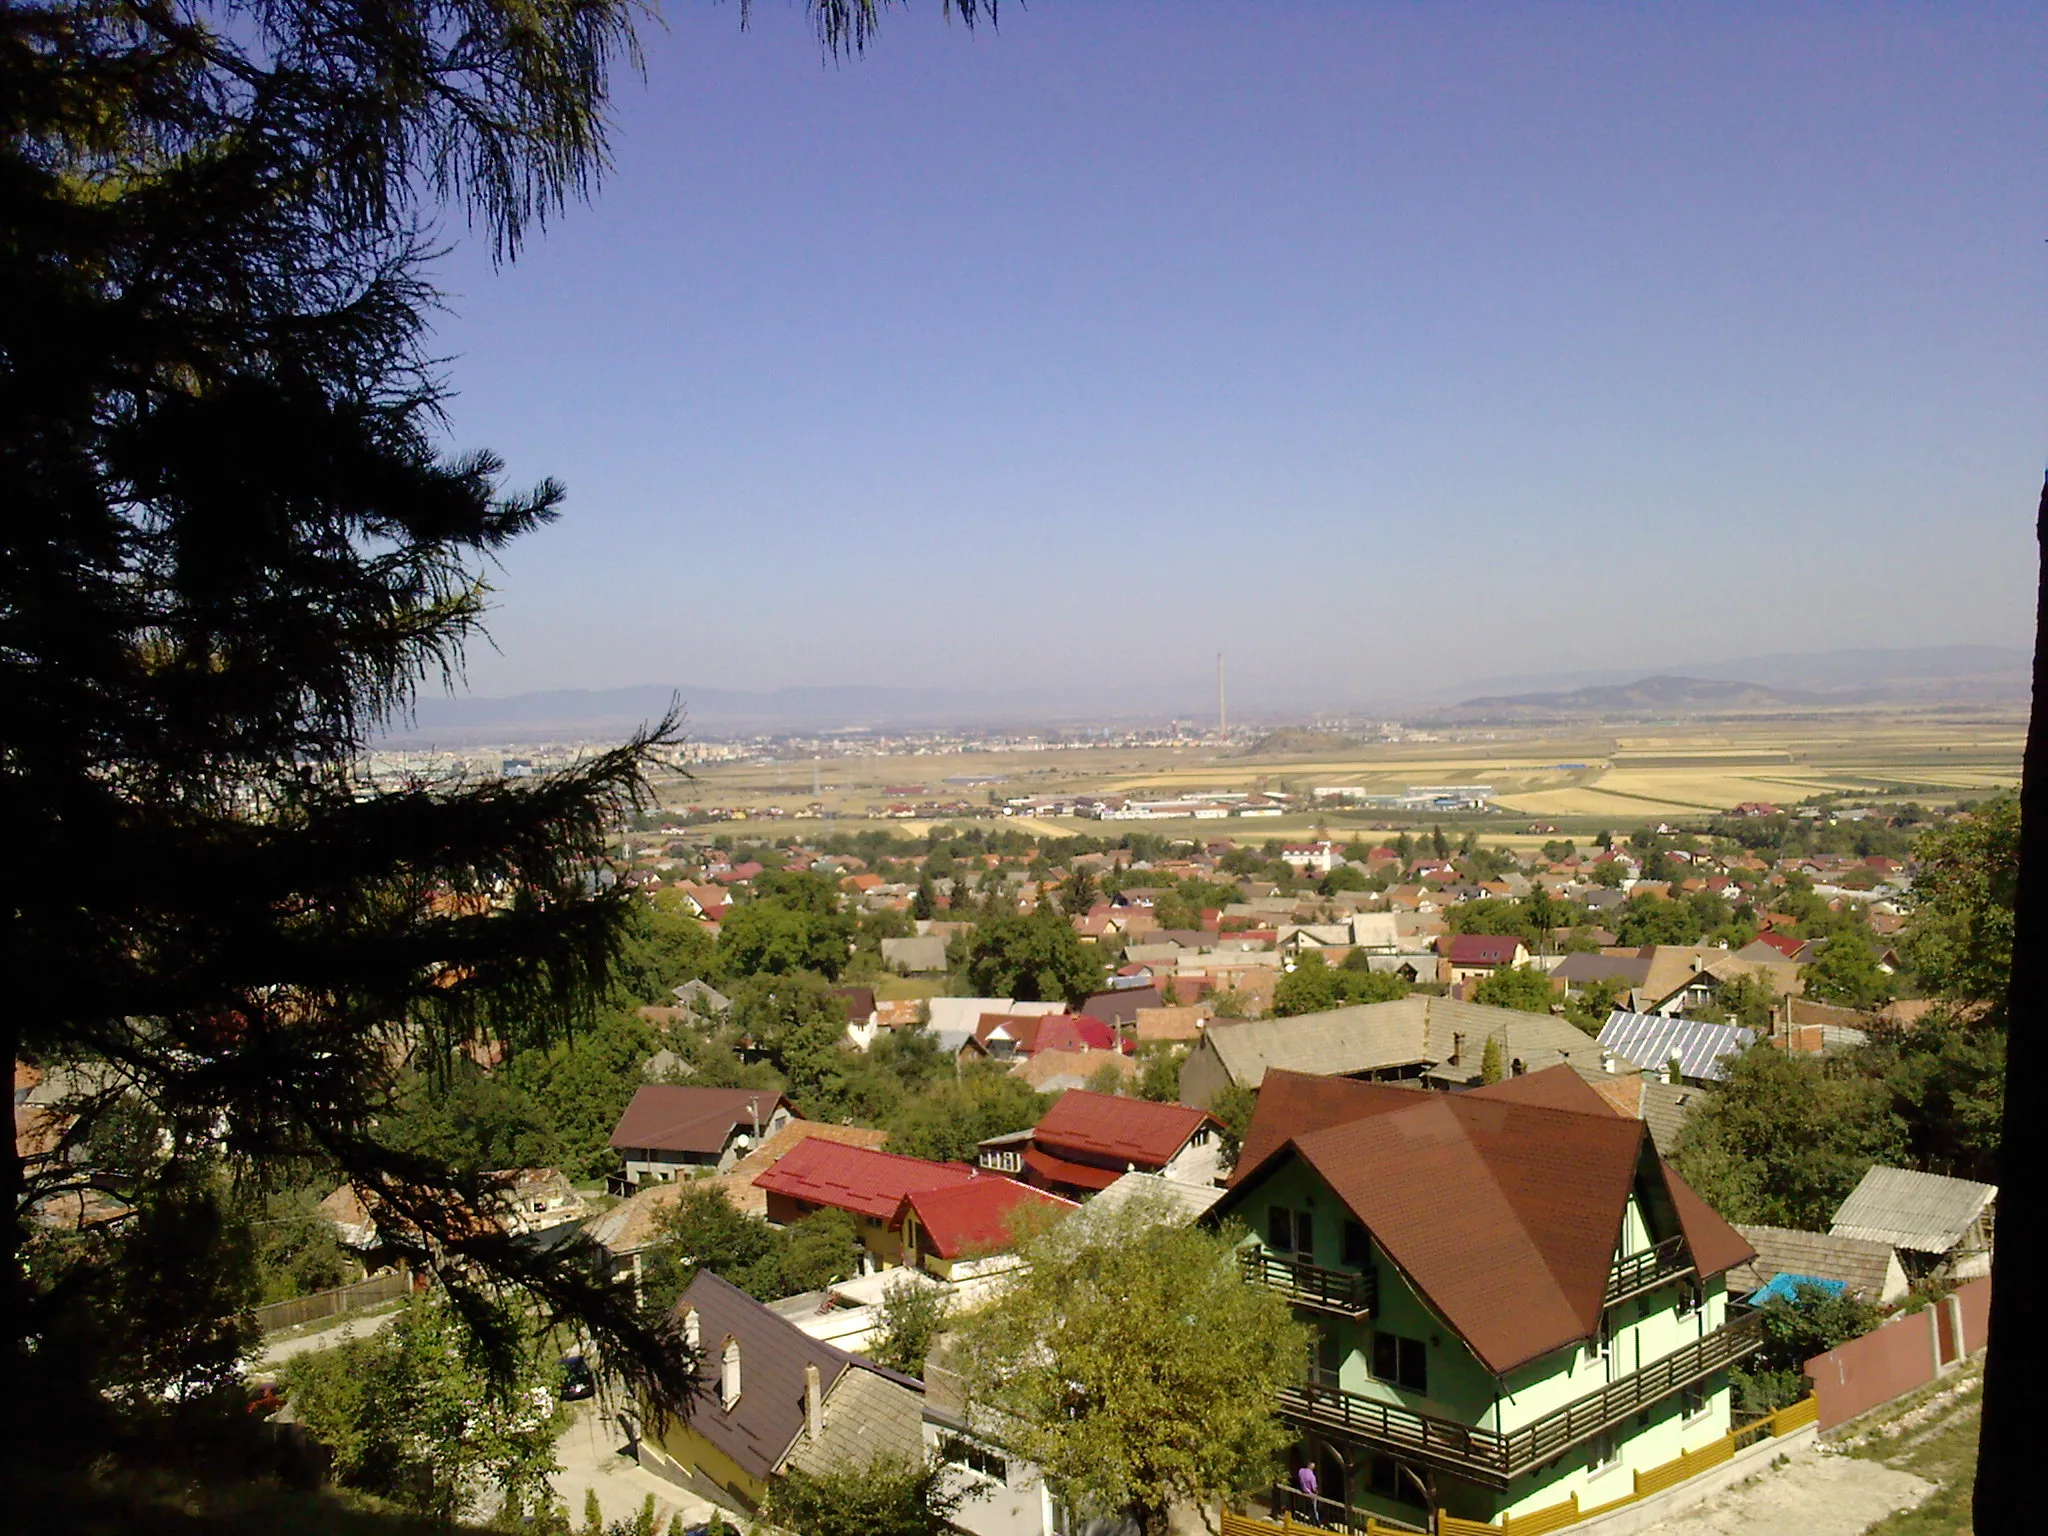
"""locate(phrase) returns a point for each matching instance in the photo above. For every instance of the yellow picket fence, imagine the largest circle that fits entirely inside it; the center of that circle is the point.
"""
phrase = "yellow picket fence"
(1555, 1517)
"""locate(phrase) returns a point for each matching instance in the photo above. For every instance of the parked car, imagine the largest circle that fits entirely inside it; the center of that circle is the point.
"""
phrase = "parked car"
(577, 1382)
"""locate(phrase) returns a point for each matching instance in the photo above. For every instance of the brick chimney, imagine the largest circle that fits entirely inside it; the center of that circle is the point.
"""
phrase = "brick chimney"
(814, 1404)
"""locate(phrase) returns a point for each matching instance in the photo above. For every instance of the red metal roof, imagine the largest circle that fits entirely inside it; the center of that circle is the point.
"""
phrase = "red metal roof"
(855, 1178)
(1129, 1130)
(669, 1118)
(1059, 1170)
(975, 1218)
(1502, 1206)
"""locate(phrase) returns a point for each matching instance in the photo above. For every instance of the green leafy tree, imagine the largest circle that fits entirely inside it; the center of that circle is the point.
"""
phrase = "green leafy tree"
(703, 1230)
(1781, 1140)
(1106, 1079)
(1491, 1068)
(296, 1250)
(1133, 1365)
(411, 1415)
(1313, 986)
(1159, 1064)
(662, 948)
(1526, 987)
(1233, 1106)
(1596, 1000)
(1958, 941)
(1646, 919)
(1811, 1321)
(950, 1119)
(912, 1318)
(1033, 958)
(785, 929)
(924, 906)
(1438, 843)
(472, 1122)
(1846, 972)
(883, 1497)
(580, 1088)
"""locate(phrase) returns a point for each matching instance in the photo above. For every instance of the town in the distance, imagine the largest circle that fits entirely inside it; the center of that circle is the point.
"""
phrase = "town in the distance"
(1577, 1154)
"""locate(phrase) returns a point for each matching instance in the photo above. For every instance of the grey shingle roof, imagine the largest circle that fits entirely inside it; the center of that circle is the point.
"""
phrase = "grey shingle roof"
(1421, 1030)
(1924, 1212)
(1860, 1264)
(1652, 1039)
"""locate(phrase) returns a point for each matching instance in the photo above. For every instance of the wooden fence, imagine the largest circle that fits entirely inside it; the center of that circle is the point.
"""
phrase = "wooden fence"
(280, 1315)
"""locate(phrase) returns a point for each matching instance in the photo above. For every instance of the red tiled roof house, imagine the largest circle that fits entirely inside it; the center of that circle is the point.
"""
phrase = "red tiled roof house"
(870, 1186)
(1087, 1141)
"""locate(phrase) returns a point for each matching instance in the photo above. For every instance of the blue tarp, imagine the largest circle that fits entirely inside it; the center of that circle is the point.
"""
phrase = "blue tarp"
(1786, 1285)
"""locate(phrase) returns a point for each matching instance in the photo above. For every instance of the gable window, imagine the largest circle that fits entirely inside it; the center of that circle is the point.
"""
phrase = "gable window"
(729, 1375)
(1200, 1138)
(1404, 1362)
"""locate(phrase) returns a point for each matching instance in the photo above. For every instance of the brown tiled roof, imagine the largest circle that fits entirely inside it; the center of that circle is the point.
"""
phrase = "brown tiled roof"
(674, 1119)
(1541, 1168)
(1292, 1103)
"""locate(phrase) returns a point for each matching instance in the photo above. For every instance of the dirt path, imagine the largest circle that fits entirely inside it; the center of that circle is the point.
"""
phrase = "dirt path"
(1816, 1493)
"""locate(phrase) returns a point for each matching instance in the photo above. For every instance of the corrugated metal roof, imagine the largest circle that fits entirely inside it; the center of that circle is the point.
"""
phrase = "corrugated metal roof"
(1652, 1039)
(1190, 1200)
(1924, 1212)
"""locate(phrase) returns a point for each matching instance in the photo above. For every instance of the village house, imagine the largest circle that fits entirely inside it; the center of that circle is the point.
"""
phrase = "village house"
(957, 1231)
(1474, 956)
(770, 1399)
(1436, 1042)
(669, 1130)
(1558, 1327)
(1086, 1141)
(870, 1186)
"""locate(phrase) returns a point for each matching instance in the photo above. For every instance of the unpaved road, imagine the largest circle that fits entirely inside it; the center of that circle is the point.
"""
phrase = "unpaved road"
(1814, 1494)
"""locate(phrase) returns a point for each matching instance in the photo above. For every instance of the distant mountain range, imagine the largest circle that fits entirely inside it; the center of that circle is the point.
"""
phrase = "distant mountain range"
(1962, 674)
(1966, 674)
(2000, 670)
(1646, 696)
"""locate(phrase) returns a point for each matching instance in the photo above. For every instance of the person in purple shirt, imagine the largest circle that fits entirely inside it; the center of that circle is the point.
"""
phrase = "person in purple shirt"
(1305, 1480)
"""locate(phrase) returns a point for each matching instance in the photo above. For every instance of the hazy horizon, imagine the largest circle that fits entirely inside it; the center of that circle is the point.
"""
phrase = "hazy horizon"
(1394, 344)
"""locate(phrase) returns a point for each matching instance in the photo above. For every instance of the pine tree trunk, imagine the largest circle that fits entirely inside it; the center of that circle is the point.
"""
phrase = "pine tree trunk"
(2007, 1482)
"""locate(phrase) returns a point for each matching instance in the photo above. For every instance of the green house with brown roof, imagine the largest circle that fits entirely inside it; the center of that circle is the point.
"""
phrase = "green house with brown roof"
(1514, 1299)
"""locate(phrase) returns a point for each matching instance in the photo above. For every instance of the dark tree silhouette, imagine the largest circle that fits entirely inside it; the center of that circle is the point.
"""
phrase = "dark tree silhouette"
(2006, 1491)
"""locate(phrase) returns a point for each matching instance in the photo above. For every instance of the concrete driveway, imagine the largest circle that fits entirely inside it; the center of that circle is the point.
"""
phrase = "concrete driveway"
(592, 1454)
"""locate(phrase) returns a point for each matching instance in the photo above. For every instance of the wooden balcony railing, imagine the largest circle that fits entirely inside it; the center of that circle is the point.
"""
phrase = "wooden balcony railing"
(1344, 1292)
(1645, 1271)
(1496, 1456)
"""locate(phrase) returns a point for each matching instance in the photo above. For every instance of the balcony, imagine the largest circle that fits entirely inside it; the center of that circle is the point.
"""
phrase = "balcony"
(1492, 1456)
(1340, 1292)
(1645, 1271)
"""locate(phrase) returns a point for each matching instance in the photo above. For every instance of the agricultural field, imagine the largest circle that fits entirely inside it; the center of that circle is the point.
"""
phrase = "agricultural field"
(1576, 778)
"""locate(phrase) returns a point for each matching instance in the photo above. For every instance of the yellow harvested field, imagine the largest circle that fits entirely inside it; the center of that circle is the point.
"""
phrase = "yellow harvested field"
(1580, 771)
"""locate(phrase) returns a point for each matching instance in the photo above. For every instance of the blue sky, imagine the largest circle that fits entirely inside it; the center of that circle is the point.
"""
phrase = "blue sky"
(1381, 342)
